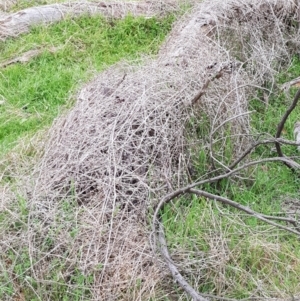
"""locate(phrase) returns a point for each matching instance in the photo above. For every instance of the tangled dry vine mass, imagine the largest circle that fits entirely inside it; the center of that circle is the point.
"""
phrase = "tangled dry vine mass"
(125, 145)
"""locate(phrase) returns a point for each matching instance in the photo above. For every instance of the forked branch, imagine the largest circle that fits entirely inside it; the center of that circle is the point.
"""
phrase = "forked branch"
(262, 142)
(187, 188)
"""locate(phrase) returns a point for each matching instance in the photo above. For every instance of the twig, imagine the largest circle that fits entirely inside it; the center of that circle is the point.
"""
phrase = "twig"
(286, 86)
(229, 119)
(187, 188)
(217, 75)
(174, 271)
(281, 125)
(254, 145)
(283, 219)
(265, 218)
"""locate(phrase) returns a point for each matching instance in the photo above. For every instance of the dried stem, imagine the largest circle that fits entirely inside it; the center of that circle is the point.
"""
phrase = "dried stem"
(265, 218)
(203, 90)
(281, 126)
(174, 271)
(258, 143)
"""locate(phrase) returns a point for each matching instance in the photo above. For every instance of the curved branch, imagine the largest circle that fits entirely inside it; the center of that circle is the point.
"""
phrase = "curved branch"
(187, 188)
(257, 143)
(174, 271)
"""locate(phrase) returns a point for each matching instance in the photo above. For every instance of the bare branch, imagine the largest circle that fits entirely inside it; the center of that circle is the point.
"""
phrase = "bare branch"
(188, 188)
(267, 219)
(281, 125)
(174, 271)
(256, 144)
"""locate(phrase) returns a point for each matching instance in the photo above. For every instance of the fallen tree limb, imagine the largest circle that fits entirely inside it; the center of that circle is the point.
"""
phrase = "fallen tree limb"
(20, 22)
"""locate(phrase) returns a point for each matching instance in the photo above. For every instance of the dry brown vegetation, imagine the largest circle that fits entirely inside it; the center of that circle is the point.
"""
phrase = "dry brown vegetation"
(124, 145)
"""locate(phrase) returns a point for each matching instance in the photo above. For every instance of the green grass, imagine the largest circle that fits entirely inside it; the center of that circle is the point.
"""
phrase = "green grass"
(34, 93)
(243, 256)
